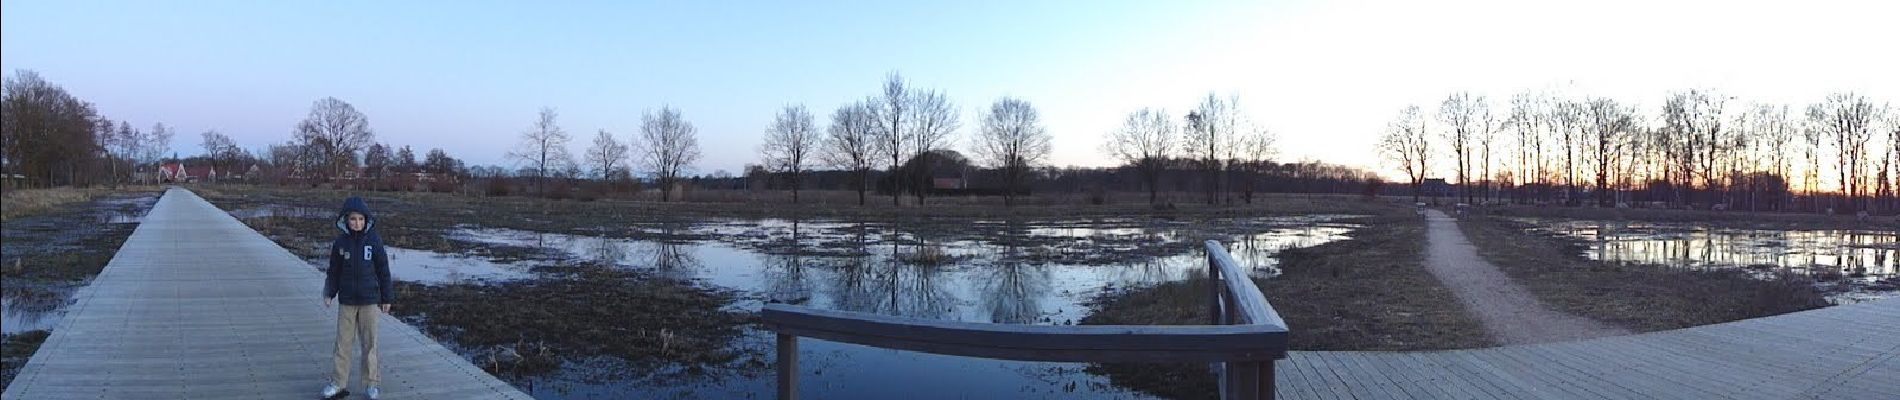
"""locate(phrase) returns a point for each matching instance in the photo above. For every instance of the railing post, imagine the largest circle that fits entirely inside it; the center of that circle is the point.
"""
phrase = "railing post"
(787, 367)
(1214, 286)
(1242, 381)
(1267, 383)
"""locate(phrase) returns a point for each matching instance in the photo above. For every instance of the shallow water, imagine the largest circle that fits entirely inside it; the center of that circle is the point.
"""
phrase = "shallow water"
(1863, 259)
(27, 304)
(428, 267)
(878, 269)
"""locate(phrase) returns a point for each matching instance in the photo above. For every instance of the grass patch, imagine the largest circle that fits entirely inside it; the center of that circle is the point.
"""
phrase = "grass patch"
(1369, 292)
(529, 327)
(1639, 297)
(19, 347)
(29, 202)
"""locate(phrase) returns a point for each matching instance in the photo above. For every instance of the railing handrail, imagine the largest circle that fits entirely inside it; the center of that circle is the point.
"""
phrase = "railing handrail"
(1078, 343)
(1252, 303)
(1245, 339)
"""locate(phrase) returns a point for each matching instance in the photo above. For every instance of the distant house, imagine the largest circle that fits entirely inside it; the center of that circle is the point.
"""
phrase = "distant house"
(180, 173)
(948, 183)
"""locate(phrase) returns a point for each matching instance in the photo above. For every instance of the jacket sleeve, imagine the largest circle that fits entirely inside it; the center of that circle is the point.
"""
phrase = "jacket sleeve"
(330, 274)
(382, 274)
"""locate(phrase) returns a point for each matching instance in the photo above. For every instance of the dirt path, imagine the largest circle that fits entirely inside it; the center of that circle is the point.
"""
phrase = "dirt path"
(1508, 312)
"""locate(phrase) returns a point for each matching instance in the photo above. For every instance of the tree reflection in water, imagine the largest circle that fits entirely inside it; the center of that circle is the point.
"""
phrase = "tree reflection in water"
(1014, 289)
(668, 256)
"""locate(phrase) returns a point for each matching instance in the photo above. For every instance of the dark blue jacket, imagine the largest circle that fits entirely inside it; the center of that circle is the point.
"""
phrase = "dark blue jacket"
(359, 269)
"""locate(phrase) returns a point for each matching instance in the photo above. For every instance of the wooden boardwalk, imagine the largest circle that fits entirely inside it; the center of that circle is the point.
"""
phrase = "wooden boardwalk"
(1840, 352)
(197, 305)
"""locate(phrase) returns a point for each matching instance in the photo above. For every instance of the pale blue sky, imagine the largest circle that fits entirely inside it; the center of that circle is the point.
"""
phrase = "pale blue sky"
(469, 76)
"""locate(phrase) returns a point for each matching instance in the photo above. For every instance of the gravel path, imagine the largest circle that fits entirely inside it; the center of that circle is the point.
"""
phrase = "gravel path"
(1509, 313)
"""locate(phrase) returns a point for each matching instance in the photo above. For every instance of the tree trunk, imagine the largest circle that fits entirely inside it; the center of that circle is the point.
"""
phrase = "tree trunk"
(864, 177)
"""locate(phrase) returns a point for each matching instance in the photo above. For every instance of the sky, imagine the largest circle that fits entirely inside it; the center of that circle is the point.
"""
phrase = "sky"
(1326, 77)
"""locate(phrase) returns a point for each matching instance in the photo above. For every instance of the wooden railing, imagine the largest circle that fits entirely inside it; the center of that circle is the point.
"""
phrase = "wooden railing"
(1244, 340)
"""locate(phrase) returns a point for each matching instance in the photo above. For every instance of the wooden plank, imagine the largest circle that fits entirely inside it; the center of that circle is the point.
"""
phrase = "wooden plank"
(1376, 378)
(1353, 385)
(1574, 370)
(1540, 378)
(1302, 376)
(1436, 380)
(1323, 383)
(217, 311)
(1461, 369)
(1617, 364)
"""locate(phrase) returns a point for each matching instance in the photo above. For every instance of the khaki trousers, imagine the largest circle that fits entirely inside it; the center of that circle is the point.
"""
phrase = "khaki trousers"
(356, 324)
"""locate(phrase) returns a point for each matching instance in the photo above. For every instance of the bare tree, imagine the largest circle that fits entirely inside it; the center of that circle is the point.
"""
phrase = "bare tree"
(789, 144)
(334, 130)
(376, 160)
(222, 151)
(1527, 120)
(1608, 124)
(1459, 115)
(1407, 143)
(543, 147)
(1813, 136)
(1567, 119)
(1146, 140)
(1209, 136)
(46, 134)
(1013, 140)
(608, 157)
(1257, 146)
(850, 143)
(1847, 119)
(934, 119)
(892, 138)
(669, 146)
(1890, 163)
(1487, 126)
(406, 159)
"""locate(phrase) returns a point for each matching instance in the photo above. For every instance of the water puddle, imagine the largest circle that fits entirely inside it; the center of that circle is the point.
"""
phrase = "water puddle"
(1006, 273)
(433, 268)
(50, 256)
(1856, 265)
(33, 306)
(276, 210)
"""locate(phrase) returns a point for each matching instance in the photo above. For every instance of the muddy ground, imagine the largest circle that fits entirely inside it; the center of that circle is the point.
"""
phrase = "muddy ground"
(526, 328)
(1638, 297)
(48, 252)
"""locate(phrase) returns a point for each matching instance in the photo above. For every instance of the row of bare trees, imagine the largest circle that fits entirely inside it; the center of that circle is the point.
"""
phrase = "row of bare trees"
(1700, 148)
(1223, 140)
(49, 137)
(667, 147)
(901, 124)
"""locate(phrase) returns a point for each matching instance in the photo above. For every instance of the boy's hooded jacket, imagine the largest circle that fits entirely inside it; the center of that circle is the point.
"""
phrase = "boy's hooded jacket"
(359, 269)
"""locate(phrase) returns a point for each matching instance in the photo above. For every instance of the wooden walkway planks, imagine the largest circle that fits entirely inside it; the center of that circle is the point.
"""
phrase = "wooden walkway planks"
(1841, 352)
(197, 305)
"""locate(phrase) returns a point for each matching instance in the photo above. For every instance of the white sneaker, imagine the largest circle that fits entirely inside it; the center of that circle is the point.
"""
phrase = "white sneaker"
(373, 393)
(330, 390)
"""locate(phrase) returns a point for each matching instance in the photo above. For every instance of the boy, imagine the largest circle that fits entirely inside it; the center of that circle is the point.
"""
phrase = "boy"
(359, 278)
